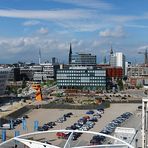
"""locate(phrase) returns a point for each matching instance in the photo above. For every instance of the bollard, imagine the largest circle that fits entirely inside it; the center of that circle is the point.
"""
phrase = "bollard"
(16, 133)
(36, 125)
(24, 124)
(3, 135)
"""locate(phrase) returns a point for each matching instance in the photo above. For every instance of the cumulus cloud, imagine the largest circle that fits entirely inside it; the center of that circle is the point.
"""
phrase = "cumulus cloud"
(31, 23)
(25, 48)
(43, 30)
(116, 32)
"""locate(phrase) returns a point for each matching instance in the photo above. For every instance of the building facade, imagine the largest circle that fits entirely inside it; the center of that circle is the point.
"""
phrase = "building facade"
(81, 78)
(114, 72)
(44, 72)
(118, 60)
(4, 75)
(83, 59)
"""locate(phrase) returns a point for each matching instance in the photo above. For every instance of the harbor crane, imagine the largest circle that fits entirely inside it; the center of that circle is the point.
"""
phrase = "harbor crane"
(145, 56)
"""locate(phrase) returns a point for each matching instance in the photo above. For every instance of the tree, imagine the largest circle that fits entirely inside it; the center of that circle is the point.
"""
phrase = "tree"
(120, 84)
(23, 84)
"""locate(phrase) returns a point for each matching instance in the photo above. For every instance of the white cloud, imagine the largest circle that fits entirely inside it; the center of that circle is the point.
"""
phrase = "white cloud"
(97, 43)
(47, 14)
(26, 48)
(43, 30)
(81, 20)
(136, 26)
(31, 23)
(80, 26)
(116, 32)
(95, 4)
(144, 47)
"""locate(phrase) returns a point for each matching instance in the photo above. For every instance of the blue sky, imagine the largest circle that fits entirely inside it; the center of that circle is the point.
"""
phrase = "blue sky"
(27, 26)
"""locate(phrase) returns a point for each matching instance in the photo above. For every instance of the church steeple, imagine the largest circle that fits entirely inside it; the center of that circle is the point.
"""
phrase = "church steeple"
(70, 53)
(111, 50)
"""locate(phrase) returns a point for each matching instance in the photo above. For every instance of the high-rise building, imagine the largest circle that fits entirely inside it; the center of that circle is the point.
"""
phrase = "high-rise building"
(117, 60)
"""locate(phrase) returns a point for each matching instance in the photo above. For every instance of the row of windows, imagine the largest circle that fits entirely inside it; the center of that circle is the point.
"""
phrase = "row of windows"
(87, 59)
(82, 81)
(3, 76)
(84, 74)
(78, 78)
(3, 72)
(81, 71)
(75, 82)
(87, 84)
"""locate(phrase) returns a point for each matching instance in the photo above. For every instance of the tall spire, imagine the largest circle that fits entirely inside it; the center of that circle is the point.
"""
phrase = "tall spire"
(111, 50)
(70, 53)
(39, 56)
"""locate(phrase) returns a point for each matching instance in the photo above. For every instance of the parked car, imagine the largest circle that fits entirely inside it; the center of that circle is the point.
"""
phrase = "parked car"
(40, 128)
(90, 112)
(94, 119)
(25, 117)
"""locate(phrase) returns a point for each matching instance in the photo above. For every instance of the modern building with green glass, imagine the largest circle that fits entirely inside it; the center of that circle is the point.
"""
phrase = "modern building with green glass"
(81, 78)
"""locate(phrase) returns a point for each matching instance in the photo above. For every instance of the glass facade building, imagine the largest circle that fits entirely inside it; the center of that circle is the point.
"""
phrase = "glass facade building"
(81, 78)
(4, 74)
(83, 59)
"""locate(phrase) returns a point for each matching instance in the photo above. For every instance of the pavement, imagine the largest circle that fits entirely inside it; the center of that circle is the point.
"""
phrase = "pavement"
(46, 115)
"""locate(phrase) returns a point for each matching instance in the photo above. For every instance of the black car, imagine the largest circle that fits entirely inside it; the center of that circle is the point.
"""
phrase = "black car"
(95, 142)
(94, 119)
(48, 125)
(73, 127)
(70, 113)
(25, 117)
(51, 123)
(67, 115)
(40, 128)
(45, 127)
(76, 136)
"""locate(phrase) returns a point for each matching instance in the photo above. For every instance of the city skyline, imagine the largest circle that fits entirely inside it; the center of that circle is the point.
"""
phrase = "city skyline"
(91, 26)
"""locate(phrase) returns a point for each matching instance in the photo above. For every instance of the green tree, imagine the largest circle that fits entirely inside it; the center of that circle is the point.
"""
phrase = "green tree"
(23, 84)
(120, 84)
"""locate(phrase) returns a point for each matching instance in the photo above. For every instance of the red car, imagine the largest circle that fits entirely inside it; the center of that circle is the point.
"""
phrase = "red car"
(62, 135)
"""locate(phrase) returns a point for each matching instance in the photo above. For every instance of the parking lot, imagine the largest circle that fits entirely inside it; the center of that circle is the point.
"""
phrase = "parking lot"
(51, 115)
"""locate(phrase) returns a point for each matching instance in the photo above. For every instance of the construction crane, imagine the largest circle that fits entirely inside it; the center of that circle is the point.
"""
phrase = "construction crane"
(145, 56)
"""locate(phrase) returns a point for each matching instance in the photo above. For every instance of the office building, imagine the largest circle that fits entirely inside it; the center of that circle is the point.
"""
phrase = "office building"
(44, 72)
(81, 77)
(83, 59)
(4, 74)
(117, 60)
